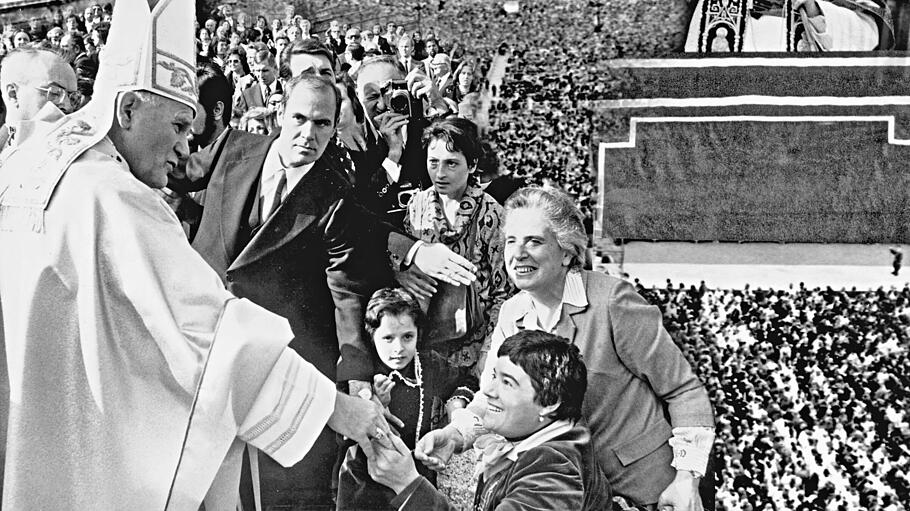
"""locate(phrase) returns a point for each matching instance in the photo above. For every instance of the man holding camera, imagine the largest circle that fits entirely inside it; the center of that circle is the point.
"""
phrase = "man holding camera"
(399, 105)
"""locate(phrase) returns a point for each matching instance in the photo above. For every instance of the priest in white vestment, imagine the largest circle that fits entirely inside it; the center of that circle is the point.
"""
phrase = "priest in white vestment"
(771, 26)
(135, 379)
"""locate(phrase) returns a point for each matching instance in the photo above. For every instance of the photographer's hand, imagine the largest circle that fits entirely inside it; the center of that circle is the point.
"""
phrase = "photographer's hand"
(390, 125)
(422, 86)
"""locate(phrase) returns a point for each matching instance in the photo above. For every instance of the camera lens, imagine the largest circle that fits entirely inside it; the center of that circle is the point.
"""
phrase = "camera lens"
(400, 103)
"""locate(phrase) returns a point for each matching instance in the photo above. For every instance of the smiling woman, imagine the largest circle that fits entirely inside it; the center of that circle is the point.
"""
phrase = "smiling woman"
(651, 420)
(536, 456)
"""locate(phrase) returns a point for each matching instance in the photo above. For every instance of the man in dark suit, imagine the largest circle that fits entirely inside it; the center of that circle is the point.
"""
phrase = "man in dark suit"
(211, 133)
(265, 69)
(381, 42)
(282, 229)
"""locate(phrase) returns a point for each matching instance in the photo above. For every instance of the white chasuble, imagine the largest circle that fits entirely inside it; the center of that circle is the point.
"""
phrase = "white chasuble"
(132, 371)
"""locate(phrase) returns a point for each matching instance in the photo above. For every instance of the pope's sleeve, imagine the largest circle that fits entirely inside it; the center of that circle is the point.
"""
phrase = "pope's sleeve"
(228, 355)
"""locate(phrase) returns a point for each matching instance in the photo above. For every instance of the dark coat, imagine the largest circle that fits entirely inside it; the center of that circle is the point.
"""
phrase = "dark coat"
(558, 474)
(315, 262)
(372, 187)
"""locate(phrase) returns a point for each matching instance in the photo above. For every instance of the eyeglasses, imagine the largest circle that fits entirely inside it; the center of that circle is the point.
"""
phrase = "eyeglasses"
(56, 94)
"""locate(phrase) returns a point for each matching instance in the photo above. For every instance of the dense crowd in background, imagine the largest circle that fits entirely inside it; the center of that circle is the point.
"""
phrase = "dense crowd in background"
(810, 389)
(810, 385)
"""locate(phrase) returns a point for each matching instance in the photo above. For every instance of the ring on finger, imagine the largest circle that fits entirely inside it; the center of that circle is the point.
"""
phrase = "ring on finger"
(380, 433)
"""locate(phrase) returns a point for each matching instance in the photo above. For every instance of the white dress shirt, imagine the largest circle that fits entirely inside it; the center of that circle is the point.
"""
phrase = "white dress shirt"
(271, 168)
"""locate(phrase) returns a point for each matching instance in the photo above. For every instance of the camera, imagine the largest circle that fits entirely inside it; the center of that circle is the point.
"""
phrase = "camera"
(400, 100)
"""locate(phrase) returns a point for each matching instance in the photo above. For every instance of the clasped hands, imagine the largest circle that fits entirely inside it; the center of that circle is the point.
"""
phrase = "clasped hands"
(394, 466)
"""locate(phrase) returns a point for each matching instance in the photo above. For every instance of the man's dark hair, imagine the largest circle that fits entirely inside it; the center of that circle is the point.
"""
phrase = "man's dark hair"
(488, 163)
(460, 135)
(357, 51)
(308, 46)
(391, 301)
(103, 30)
(214, 87)
(314, 82)
(264, 57)
(555, 367)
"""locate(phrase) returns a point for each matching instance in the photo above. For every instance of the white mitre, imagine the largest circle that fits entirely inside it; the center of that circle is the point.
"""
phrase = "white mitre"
(149, 48)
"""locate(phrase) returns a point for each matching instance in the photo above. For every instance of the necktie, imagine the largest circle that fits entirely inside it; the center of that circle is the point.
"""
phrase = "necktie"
(279, 192)
(267, 95)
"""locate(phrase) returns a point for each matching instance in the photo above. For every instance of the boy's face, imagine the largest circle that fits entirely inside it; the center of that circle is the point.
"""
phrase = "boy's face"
(396, 341)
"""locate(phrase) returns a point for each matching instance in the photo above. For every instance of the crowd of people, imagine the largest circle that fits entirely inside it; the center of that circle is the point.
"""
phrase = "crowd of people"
(810, 390)
(807, 386)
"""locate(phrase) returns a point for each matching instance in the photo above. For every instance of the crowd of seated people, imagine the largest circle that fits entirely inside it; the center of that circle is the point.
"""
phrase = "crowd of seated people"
(810, 391)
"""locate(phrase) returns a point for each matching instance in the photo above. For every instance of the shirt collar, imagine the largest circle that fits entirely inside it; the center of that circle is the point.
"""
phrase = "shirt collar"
(573, 293)
(272, 164)
(546, 434)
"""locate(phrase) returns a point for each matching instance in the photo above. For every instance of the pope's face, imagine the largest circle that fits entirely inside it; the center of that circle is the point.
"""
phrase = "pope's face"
(157, 139)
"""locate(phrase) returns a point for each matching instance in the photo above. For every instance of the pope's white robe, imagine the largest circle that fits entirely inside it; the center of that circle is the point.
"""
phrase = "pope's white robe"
(134, 375)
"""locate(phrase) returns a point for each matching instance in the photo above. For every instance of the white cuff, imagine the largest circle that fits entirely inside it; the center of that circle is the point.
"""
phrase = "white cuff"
(691, 448)
(292, 407)
(392, 170)
(468, 424)
(412, 252)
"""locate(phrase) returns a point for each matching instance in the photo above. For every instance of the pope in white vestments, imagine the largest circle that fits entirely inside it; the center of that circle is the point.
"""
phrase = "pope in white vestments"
(135, 378)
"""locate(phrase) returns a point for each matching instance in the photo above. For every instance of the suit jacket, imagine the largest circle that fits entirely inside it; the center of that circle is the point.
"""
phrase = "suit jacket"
(315, 261)
(558, 474)
(644, 385)
(251, 97)
(371, 185)
(384, 47)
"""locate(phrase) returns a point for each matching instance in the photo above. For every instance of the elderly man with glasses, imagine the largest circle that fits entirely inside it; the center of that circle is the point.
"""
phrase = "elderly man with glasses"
(30, 79)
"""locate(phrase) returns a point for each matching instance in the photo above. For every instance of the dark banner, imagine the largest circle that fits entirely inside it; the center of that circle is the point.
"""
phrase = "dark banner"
(779, 181)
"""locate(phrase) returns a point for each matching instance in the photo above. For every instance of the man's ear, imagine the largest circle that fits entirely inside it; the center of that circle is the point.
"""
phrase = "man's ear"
(218, 110)
(127, 106)
(12, 92)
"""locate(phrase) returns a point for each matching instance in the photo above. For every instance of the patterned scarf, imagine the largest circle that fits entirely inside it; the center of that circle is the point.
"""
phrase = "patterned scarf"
(450, 233)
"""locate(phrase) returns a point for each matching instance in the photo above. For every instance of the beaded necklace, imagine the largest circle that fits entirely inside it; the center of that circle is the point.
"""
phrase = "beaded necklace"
(417, 383)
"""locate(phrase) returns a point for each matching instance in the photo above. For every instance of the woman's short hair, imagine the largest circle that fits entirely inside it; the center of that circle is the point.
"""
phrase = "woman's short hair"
(555, 367)
(242, 56)
(459, 134)
(562, 215)
(259, 113)
(392, 301)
